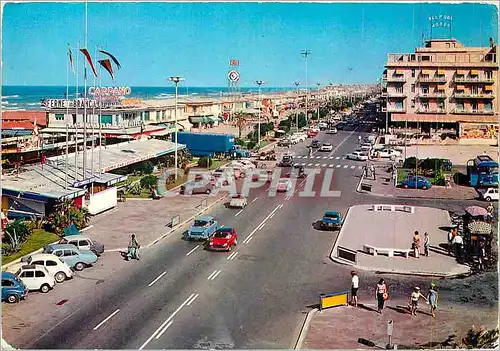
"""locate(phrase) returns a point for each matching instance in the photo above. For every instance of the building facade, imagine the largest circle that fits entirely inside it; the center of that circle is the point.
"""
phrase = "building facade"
(444, 86)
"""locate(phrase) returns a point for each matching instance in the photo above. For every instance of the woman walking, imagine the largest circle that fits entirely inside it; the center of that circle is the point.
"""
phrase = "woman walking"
(416, 245)
(432, 297)
(381, 294)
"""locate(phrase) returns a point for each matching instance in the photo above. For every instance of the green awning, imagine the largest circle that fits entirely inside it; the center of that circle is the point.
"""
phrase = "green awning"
(198, 119)
(212, 119)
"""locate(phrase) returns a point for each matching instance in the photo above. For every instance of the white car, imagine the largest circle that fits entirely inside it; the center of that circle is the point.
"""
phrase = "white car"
(243, 164)
(388, 153)
(300, 136)
(57, 268)
(261, 175)
(357, 156)
(36, 278)
(223, 178)
(326, 147)
(284, 185)
(366, 146)
(332, 131)
(490, 194)
(238, 201)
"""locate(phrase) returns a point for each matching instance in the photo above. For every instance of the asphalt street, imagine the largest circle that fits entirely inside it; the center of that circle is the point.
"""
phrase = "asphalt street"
(179, 296)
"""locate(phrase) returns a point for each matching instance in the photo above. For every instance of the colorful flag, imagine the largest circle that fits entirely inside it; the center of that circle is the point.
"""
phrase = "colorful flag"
(112, 57)
(107, 66)
(89, 59)
(70, 55)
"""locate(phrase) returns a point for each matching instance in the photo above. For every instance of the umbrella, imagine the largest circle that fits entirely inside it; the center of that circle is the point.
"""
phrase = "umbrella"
(478, 227)
(476, 211)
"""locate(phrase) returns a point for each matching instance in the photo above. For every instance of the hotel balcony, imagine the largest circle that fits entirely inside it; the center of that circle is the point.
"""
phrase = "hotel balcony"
(435, 110)
(473, 80)
(396, 109)
(431, 95)
(473, 96)
(396, 79)
(431, 79)
(463, 111)
(393, 94)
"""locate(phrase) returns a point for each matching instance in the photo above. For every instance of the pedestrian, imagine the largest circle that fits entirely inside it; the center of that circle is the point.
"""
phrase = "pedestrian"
(451, 235)
(381, 295)
(372, 169)
(133, 248)
(457, 243)
(354, 289)
(481, 255)
(415, 296)
(491, 211)
(427, 244)
(416, 244)
(432, 298)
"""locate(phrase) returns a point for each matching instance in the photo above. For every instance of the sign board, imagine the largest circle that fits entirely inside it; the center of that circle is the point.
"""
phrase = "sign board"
(234, 76)
(109, 91)
(234, 62)
(333, 299)
(78, 103)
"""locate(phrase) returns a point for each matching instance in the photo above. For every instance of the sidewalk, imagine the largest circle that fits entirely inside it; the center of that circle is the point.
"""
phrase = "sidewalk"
(341, 327)
(148, 219)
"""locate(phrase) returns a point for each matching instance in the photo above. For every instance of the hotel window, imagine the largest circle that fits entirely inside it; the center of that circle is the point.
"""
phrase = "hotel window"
(59, 117)
(399, 89)
(412, 103)
(460, 106)
(425, 89)
(488, 106)
(412, 57)
(425, 106)
(474, 106)
(440, 104)
(489, 74)
(426, 58)
(399, 105)
(105, 119)
(413, 88)
(413, 72)
(447, 45)
(474, 90)
(146, 115)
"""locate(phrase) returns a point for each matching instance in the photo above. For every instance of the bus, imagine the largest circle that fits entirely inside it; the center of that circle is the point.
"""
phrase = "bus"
(482, 171)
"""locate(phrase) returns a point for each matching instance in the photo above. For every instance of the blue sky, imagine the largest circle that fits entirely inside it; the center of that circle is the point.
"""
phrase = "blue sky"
(349, 42)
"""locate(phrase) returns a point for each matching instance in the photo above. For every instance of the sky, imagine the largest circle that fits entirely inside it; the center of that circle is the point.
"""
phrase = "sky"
(349, 42)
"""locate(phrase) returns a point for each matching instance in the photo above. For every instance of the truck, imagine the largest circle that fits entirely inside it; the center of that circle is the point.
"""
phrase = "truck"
(203, 144)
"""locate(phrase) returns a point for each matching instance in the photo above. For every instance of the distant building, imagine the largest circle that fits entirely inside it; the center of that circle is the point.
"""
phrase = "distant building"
(38, 117)
(444, 86)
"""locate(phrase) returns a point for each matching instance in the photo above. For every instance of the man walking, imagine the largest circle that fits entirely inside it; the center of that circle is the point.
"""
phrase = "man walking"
(457, 247)
(354, 289)
(133, 248)
(372, 169)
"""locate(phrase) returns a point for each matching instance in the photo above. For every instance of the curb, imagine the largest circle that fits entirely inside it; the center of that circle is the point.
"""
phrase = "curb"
(305, 328)
(336, 244)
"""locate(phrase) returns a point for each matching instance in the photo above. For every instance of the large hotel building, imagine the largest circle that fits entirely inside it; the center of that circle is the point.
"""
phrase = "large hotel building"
(444, 86)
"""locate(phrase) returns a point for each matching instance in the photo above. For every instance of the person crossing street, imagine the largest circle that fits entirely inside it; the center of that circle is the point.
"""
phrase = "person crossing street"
(133, 248)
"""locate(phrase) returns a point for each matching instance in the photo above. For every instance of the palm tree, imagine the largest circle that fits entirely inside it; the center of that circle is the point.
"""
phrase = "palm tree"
(241, 122)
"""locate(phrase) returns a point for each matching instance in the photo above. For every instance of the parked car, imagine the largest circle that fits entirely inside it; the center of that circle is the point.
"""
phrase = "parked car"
(286, 161)
(284, 185)
(76, 259)
(357, 156)
(416, 182)
(332, 220)
(332, 130)
(490, 194)
(238, 201)
(197, 187)
(83, 242)
(243, 164)
(388, 153)
(13, 289)
(261, 175)
(202, 228)
(315, 144)
(300, 136)
(223, 239)
(322, 125)
(36, 278)
(59, 270)
(366, 146)
(284, 142)
(326, 147)
(222, 178)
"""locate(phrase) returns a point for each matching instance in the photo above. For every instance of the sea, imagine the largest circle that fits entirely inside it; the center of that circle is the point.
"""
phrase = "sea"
(29, 97)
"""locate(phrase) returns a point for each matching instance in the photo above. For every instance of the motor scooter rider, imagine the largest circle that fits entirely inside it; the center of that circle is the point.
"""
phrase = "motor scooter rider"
(133, 248)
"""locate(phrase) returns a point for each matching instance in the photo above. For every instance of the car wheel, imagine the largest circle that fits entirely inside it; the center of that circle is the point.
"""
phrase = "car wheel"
(424, 187)
(488, 199)
(12, 299)
(208, 191)
(235, 242)
(405, 186)
(59, 277)
(79, 266)
(45, 288)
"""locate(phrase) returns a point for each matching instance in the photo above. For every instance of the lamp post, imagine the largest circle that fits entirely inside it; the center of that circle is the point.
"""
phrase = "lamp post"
(259, 83)
(296, 109)
(306, 53)
(176, 81)
(318, 84)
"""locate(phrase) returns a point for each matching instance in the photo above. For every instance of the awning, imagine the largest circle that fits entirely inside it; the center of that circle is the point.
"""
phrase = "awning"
(400, 71)
(428, 72)
(441, 87)
(441, 72)
(488, 87)
(474, 72)
(460, 87)
(212, 119)
(16, 132)
(184, 124)
(163, 132)
(198, 119)
(462, 72)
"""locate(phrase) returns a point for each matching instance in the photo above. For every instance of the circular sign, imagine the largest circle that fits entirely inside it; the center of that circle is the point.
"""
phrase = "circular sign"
(234, 76)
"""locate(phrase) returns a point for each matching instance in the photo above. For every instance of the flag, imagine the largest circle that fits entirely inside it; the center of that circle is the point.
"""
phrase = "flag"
(112, 57)
(107, 66)
(89, 59)
(70, 55)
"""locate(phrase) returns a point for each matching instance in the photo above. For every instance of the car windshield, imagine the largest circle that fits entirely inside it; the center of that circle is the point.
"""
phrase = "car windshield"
(331, 215)
(283, 181)
(287, 158)
(200, 223)
(222, 233)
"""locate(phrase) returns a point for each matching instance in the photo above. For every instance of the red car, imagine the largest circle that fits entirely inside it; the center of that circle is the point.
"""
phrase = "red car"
(223, 239)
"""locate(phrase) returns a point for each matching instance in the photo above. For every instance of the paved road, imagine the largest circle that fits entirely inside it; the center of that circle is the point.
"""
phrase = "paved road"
(180, 296)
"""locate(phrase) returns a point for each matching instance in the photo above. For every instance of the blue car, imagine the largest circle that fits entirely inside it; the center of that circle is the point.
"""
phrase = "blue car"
(416, 182)
(76, 259)
(332, 220)
(203, 228)
(13, 289)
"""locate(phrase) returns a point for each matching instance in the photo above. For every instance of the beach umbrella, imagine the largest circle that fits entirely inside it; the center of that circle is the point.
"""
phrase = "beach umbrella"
(476, 211)
(478, 227)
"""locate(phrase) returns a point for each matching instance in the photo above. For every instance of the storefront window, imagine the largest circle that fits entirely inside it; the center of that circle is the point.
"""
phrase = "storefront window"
(59, 117)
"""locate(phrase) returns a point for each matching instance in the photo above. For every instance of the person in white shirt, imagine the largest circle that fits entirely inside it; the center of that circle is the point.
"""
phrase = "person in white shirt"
(457, 243)
(354, 289)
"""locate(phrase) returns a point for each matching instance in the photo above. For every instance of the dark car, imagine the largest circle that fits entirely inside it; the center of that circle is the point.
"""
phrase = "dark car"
(315, 144)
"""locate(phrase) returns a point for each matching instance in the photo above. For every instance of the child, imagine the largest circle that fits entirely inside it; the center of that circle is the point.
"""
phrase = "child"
(432, 298)
(415, 296)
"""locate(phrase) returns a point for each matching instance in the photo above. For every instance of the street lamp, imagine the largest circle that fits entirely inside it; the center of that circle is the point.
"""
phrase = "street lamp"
(176, 81)
(318, 84)
(259, 83)
(306, 53)
(296, 109)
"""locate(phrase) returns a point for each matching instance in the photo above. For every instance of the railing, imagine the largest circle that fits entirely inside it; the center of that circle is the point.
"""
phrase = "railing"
(473, 80)
(477, 112)
(396, 109)
(432, 79)
(395, 94)
(430, 95)
(473, 96)
(430, 110)
(396, 79)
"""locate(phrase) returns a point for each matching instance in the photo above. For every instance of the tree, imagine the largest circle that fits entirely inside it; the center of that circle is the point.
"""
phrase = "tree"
(241, 122)
(149, 182)
(66, 214)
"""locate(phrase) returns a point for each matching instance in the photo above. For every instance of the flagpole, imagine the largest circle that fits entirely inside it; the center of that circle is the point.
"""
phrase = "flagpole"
(67, 129)
(76, 114)
(100, 126)
(92, 124)
(85, 101)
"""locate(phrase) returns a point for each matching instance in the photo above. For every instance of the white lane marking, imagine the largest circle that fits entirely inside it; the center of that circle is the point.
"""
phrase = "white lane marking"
(309, 164)
(323, 165)
(272, 216)
(235, 254)
(211, 275)
(255, 199)
(236, 215)
(318, 157)
(338, 166)
(190, 252)
(232, 256)
(269, 216)
(331, 157)
(352, 167)
(301, 183)
(347, 137)
(337, 158)
(360, 167)
(345, 166)
(158, 278)
(192, 300)
(299, 156)
(249, 239)
(302, 164)
(281, 206)
(261, 226)
(215, 276)
(164, 330)
(331, 166)
(106, 319)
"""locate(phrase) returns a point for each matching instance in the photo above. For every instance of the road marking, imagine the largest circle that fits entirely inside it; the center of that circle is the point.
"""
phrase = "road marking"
(318, 157)
(164, 330)
(232, 256)
(215, 276)
(255, 199)
(360, 167)
(262, 226)
(107, 319)
(309, 164)
(192, 300)
(337, 158)
(281, 206)
(249, 239)
(323, 165)
(352, 167)
(236, 215)
(331, 157)
(269, 216)
(159, 277)
(338, 166)
(211, 275)
(345, 166)
(331, 166)
(299, 156)
(190, 252)
(272, 216)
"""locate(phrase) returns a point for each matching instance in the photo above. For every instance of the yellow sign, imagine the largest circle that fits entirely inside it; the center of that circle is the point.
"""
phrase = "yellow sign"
(131, 101)
(333, 300)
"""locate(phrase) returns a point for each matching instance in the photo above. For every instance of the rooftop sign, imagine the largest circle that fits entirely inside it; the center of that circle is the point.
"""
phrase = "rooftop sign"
(109, 91)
